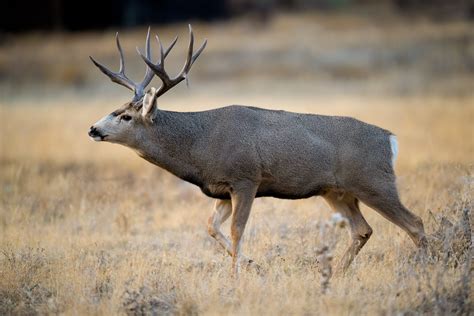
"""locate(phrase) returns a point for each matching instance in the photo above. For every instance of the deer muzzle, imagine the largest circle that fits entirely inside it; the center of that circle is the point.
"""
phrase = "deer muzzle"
(95, 134)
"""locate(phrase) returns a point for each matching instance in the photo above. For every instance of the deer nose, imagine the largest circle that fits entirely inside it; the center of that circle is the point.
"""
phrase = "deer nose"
(93, 132)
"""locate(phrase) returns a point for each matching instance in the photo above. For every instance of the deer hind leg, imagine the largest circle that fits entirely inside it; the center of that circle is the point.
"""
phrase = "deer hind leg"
(385, 200)
(242, 199)
(360, 230)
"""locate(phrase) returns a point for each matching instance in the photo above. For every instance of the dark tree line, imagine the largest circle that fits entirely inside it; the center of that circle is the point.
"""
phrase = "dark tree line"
(17, 16)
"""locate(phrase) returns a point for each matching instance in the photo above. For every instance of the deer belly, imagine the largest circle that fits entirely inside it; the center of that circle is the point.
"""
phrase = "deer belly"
(291, 195)
(291, 191)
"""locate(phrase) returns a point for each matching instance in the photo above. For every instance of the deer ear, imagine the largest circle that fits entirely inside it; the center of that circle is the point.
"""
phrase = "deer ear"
(149, 102)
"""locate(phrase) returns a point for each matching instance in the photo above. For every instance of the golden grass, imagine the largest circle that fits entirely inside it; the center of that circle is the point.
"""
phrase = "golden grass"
(89, 228)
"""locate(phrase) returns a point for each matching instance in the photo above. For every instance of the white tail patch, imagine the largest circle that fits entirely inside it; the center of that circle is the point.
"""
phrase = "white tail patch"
(394, 147)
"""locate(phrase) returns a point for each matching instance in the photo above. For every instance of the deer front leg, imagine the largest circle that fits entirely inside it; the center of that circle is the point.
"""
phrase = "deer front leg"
(222, 211)
(242, 199)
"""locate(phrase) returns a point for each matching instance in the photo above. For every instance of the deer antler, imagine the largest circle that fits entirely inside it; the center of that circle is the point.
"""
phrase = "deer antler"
(159, 68)
(122, 79)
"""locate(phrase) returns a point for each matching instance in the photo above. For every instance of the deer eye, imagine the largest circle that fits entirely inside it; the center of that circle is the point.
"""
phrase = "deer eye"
(126, 117)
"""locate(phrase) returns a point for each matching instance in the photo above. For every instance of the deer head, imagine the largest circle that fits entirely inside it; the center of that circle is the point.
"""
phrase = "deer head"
(129, 123)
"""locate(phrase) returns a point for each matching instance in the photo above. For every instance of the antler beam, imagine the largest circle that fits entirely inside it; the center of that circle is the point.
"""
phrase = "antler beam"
(121, 78)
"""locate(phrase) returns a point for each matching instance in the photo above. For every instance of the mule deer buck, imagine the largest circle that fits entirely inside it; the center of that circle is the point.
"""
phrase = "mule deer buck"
(238, 153)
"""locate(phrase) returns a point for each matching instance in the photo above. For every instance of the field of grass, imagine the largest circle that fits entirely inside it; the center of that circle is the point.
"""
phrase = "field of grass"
(90, 228)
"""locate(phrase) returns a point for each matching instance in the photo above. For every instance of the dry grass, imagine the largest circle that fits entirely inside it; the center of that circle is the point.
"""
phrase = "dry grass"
(89, 228)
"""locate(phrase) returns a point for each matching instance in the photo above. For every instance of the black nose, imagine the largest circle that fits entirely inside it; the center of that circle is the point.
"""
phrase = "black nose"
(93, 132)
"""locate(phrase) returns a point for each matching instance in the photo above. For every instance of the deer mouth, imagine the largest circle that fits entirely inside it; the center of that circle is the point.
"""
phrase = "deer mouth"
(98, 138)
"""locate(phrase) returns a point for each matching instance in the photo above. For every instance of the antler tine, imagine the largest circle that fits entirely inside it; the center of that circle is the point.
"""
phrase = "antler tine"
(171, 46)
(148, 73)
(159, 66)
(147, 44)
(115, 77)
(191, 58)
(159, 70)
(162, 53)
(185, 69)
(198, 52)
(165, 53)
(119, 47)
(121, 78)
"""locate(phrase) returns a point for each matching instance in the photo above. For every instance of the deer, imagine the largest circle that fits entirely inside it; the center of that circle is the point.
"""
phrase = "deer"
(236, 154)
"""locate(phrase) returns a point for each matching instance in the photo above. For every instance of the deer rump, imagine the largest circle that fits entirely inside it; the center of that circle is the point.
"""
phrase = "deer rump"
(288, 155)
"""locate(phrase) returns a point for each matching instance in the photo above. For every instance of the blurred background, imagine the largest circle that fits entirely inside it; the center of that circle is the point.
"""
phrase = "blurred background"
(61, 15)
(263, 47)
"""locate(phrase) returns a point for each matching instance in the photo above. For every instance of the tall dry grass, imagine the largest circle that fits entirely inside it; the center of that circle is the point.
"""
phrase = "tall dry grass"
(88, 228)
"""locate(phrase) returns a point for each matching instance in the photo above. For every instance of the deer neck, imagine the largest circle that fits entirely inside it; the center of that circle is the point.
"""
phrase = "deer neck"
(169, 141)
